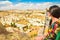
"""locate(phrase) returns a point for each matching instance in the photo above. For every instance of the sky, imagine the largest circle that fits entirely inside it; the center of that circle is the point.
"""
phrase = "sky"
(27, 4)
(33, 1)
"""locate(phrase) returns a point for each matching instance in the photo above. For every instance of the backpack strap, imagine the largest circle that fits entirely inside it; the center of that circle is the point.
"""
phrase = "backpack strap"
(54, 27)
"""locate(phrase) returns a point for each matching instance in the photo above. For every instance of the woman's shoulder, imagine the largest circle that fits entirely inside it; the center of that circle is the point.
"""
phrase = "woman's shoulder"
(58, 22)
(58, 26)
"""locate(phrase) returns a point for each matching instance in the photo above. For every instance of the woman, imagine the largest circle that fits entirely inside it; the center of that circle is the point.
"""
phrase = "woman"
(53, 33)
(54, 13)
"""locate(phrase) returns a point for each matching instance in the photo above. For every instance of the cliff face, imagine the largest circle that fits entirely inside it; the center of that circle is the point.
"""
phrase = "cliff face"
(16, 35)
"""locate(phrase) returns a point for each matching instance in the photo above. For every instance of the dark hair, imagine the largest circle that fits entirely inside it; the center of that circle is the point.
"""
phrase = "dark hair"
(55, 11)
(54, 6)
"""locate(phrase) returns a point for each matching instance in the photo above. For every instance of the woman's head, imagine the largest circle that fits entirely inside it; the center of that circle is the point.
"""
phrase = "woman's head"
(54, 11)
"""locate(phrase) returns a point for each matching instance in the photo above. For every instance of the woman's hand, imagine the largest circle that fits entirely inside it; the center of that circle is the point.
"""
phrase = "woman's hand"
(40, 38)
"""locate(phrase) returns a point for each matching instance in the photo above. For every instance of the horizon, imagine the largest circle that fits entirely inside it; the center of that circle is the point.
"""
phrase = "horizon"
(27, 4)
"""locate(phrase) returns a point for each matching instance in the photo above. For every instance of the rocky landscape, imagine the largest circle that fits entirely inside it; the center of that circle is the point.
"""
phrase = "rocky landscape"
(21, 24)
